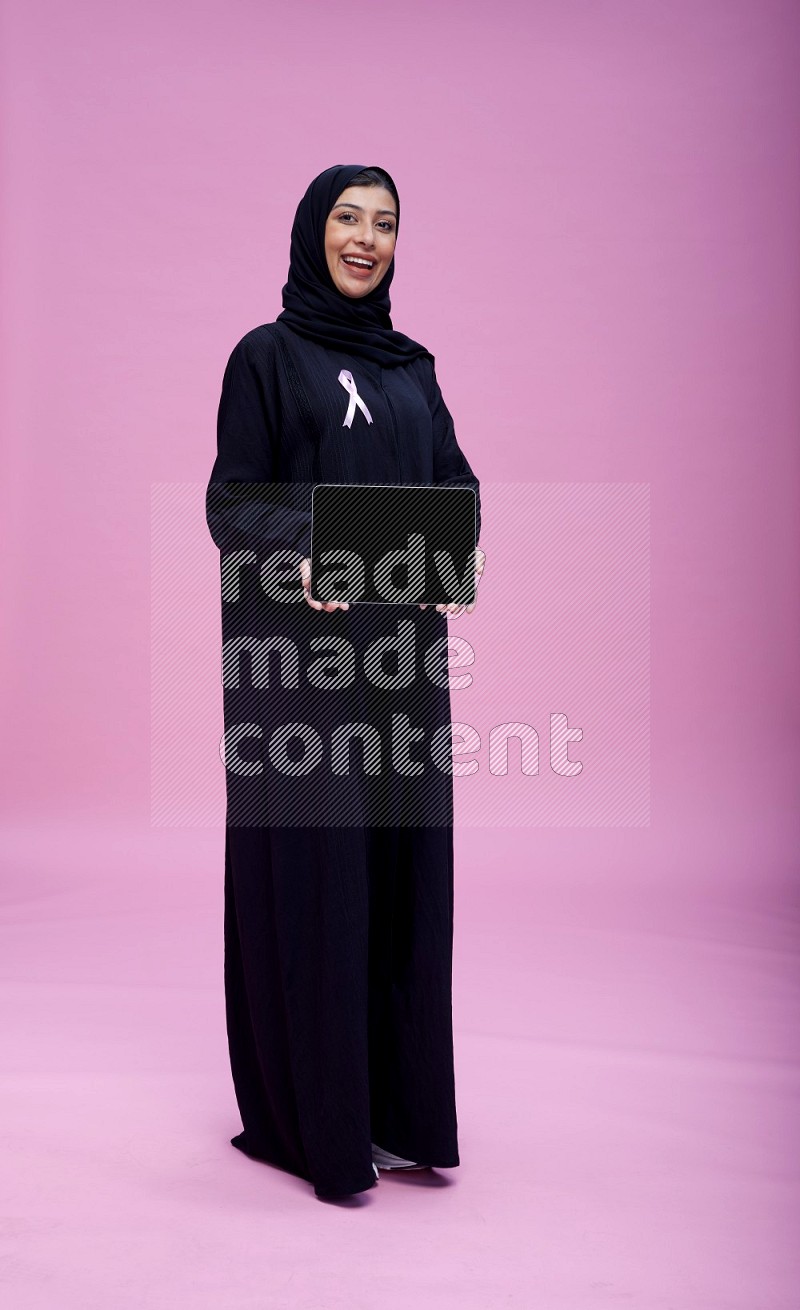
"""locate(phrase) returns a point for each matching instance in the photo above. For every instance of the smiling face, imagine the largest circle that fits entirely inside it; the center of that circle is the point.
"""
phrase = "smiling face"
(361, 226)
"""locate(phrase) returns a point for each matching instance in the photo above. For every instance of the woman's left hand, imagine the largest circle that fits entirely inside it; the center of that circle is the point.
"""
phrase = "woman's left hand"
(455, 610)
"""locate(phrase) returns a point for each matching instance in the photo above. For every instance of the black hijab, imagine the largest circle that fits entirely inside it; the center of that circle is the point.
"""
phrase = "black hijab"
(314, 306)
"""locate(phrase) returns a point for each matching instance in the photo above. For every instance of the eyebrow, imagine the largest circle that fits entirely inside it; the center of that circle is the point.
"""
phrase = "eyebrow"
(343, 204)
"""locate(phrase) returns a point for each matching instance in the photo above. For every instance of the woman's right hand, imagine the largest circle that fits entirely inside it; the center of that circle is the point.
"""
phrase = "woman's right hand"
(305, 574)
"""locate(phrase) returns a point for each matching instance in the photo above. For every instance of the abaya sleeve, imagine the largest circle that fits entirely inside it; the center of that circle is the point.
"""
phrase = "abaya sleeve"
(244, 507)
(450, 465)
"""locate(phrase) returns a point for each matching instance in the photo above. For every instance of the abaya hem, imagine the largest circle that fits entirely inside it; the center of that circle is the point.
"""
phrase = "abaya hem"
(240, 1142)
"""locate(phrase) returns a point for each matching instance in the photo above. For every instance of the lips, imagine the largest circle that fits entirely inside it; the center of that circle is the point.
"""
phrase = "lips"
(358, 268)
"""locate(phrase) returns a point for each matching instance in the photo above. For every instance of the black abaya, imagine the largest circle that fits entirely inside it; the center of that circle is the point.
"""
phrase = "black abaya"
(338, 892)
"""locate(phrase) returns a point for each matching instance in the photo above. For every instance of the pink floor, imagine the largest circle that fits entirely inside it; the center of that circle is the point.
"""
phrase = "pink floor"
(626, 1042)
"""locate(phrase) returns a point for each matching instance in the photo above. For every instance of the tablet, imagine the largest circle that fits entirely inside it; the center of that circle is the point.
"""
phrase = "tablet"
(399, 544)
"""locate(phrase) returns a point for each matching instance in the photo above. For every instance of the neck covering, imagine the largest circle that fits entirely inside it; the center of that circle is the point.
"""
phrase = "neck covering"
(314, 306)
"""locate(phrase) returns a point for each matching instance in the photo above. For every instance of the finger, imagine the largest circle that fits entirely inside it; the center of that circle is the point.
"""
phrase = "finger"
(305, 574)
(470, 607)
(305, 577)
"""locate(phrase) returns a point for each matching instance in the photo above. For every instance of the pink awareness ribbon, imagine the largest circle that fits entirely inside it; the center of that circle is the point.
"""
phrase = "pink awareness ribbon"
(346, 379)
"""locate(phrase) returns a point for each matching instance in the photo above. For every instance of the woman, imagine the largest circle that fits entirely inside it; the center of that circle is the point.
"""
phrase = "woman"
(338, 889)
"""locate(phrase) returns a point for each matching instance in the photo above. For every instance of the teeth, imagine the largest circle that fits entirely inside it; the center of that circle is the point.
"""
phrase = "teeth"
(352, 259)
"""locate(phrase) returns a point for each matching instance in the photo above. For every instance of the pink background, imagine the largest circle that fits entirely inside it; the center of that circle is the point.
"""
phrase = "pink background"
(598, 242)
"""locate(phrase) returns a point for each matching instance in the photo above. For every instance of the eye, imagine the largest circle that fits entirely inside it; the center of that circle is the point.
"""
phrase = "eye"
(385, 223)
